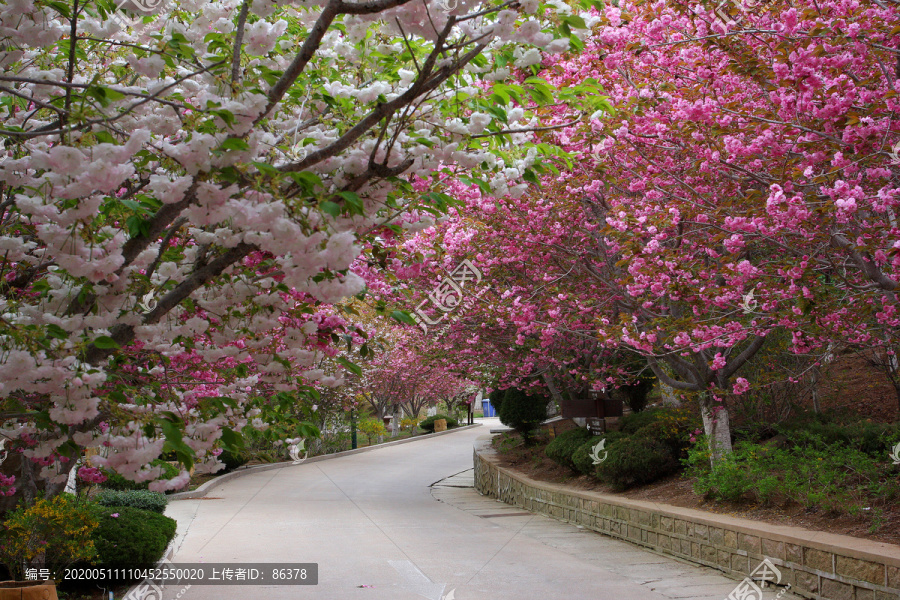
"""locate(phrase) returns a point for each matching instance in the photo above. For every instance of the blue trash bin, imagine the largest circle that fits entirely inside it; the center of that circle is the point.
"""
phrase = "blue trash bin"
(487, 409)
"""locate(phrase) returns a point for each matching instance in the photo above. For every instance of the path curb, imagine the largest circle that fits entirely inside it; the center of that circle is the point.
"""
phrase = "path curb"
(817, 565)
(201, 491)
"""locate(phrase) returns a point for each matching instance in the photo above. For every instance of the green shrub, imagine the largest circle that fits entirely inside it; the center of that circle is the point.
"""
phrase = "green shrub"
(675, 438)
(372, 428)
(233, 460)
(631, 423)
(143, 499)
(636, 461)
(875, 439)
(729, 481)
(428, 424)
(50, 533)
(114, 481)
(581, 458)
(523, 412)
(128, 536)
(496, 398)
(834, 477)
(563, 446)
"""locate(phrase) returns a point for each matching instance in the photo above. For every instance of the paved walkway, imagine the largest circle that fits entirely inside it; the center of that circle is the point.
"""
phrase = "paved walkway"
(379, 531)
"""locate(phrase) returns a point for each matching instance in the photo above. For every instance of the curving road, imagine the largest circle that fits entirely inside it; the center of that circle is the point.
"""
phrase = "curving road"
(379, 531)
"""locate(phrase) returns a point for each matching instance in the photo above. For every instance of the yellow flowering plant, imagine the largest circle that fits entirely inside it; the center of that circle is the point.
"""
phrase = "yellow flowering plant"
(49, 534)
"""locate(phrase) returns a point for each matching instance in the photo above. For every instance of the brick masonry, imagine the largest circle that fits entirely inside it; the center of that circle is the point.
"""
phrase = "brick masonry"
(817, 565)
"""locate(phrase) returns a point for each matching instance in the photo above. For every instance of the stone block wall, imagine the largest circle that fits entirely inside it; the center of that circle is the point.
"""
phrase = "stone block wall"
(817, 565)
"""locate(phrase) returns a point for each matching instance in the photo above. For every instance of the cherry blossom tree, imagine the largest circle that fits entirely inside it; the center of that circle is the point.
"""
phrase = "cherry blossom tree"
(746, 183)
(181, 182)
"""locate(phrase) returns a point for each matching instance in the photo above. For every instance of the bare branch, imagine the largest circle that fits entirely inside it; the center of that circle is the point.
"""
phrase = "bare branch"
(238, 40)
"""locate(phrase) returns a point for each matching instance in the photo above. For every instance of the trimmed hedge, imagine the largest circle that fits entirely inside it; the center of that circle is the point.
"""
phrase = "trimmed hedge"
(563, 446)
(675, 439)
(132, 537)
(523, 412)
(428, 424)
(581, 458)
(637, 460)
(631, 423)
(143, 499)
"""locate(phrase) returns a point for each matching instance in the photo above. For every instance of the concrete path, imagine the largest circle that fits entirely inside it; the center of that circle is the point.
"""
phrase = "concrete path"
(379, 531)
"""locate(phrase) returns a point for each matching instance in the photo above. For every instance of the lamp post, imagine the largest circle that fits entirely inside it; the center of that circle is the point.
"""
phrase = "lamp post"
(352, 429)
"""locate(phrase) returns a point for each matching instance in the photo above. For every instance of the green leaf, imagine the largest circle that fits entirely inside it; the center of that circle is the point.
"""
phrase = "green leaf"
(117, 396)
(403, 317)
(62, 8)
(104, 342)
(55, 331)
(352, 367)
(575, 21)
(104, 137)
(530, 177)
(137, 226)
(235, 144)
(332, 208)
(266, 169)
(231, 439)
(353, 201)
(308, 182)
(104, 95)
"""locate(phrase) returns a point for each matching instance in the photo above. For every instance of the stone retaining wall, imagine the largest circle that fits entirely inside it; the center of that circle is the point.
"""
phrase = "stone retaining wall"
(817, 565)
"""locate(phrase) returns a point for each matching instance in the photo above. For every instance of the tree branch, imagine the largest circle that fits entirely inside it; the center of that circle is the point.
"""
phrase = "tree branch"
(238, 41)
(124, 334)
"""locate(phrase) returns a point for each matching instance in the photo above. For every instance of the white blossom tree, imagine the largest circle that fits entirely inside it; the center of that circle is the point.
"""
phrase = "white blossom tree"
(175, 183)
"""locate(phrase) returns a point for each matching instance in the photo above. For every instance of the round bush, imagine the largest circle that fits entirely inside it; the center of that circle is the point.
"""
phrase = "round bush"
(523, 412)
(428, 424)
(581, 458)
(143, 499)
(563, 446)
(131, 537)
(674, 437)
(631, 423)
(636, 461)
(114, 481)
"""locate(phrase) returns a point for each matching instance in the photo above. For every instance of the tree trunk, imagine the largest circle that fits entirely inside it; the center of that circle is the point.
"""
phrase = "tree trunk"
(814, 375)
(29, 485)
(716, 426)
(667, 393)
(395, 420)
